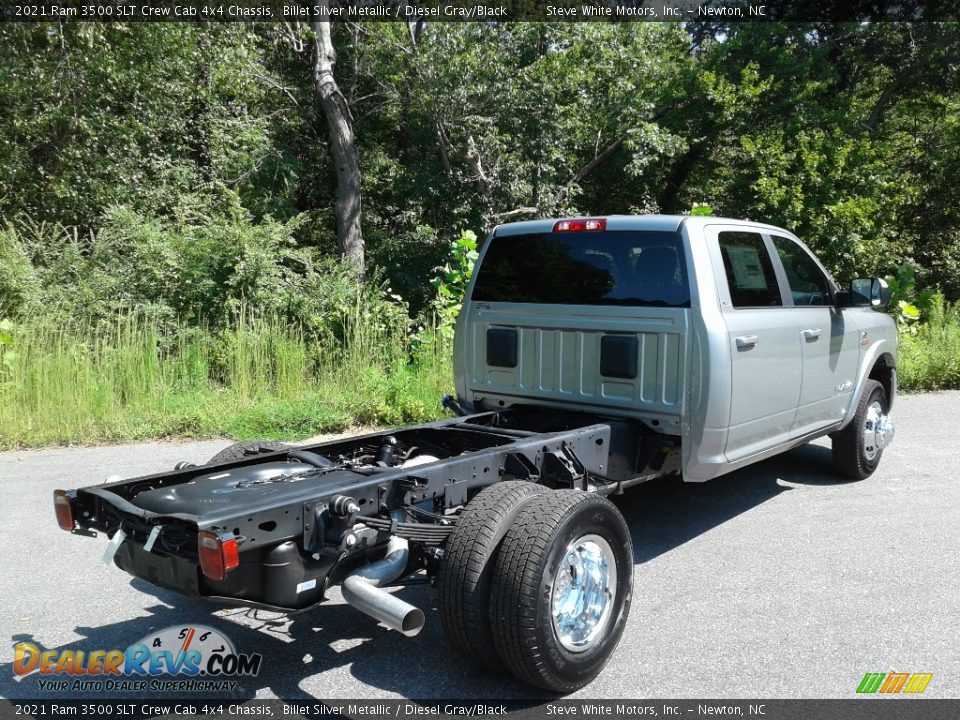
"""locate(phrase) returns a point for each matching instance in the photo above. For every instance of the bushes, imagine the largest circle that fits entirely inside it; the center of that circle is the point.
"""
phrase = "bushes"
(198, 325)
(930, 352)
(199, 270)
(929, 330)
(18, 282)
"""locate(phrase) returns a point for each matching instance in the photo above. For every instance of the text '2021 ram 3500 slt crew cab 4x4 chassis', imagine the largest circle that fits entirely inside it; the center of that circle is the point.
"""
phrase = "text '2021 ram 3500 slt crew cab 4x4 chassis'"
(591, 354)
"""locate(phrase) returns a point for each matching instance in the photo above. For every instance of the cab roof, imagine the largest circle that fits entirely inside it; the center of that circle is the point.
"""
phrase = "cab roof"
(657, 223)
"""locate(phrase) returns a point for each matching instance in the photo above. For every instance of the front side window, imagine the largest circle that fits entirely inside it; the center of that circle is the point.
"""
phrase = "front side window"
(808, 284)
(749, 270)
(585, 268)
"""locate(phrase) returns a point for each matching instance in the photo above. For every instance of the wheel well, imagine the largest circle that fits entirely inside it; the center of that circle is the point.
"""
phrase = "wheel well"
(883, 372)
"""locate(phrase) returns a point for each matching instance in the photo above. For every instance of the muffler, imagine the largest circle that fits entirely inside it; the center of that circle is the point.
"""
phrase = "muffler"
(363, 589)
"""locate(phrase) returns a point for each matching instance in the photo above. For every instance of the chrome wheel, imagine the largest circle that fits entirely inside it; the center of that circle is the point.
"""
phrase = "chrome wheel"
(584, 589)
(562, 589)
(877, 431)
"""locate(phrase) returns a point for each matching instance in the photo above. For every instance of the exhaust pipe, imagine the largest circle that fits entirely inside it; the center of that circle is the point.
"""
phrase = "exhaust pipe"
(362, 589)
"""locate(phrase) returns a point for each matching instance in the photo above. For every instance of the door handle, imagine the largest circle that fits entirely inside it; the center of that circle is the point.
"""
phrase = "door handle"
(811, 334)
(745, 342)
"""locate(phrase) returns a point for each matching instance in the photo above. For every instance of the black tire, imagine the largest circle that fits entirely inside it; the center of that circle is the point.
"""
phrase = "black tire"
(463, 585)
(241, 450)
(852, 456)
(533, 553)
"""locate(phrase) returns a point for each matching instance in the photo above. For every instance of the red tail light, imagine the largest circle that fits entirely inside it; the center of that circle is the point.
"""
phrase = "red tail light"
(64, 509)
(580, 225)
(219, 554)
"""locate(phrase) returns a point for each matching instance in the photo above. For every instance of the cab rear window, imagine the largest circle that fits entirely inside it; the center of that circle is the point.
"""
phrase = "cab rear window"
(585, 268)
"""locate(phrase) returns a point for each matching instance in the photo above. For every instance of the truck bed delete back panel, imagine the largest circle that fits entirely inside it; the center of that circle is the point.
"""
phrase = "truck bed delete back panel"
(629, 359)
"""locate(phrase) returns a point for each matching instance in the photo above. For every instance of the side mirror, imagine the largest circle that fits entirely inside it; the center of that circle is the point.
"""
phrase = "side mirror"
(869, 291)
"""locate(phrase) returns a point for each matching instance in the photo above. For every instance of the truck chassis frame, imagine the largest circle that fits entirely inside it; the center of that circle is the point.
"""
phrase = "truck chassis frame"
(322, 524)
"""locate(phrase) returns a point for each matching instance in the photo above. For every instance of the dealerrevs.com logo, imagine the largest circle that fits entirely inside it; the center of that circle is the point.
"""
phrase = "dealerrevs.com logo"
(177, 658)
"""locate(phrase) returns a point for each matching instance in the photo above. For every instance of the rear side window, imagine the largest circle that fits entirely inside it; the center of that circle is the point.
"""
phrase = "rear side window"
(749, 270)
(586, 268)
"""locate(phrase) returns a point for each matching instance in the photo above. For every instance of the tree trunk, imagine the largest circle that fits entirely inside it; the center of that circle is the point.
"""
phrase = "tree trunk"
(667, 201)
(584, 172)
(887, 99)
(342, 145)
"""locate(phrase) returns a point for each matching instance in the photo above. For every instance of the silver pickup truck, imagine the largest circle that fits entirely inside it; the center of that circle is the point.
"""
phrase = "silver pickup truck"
(727, 335)
(591, 354)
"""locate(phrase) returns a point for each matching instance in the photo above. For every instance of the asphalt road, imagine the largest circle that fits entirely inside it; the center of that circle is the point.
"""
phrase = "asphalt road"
(776, 581)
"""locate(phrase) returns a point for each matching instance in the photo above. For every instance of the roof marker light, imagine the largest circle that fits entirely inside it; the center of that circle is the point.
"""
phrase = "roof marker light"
(580, 225)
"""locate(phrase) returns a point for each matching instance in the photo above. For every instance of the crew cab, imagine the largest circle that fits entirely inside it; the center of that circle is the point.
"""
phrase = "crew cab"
(591, 354)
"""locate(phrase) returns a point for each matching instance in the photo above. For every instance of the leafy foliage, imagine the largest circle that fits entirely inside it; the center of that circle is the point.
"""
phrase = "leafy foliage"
(701, 209)
(451, 282)
(910, 303)
(930, 351)
(846, 133)
(181, 172)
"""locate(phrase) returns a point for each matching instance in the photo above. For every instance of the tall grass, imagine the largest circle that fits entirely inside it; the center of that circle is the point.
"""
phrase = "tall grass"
(930, 352)
(260, 377)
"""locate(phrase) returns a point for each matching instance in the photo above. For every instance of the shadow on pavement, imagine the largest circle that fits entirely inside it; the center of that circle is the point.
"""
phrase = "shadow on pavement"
(665, 513)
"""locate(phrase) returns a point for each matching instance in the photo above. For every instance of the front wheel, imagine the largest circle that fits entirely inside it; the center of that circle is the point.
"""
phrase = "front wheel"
(858, 447)
(561, 589)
